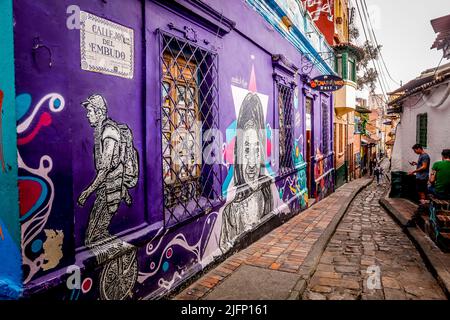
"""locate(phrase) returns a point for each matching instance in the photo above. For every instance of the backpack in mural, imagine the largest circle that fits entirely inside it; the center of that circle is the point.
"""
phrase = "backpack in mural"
(128, 156)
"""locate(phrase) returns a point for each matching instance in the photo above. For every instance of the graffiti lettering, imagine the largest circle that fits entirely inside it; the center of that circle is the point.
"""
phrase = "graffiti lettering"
(317, 7)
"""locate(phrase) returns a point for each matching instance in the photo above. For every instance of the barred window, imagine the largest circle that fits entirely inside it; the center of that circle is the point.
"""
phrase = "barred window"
(189, 108)
(285, 104)
(325, 128)
(421, 129)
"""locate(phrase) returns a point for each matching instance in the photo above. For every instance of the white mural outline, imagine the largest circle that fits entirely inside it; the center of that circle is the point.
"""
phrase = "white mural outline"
(30, 229)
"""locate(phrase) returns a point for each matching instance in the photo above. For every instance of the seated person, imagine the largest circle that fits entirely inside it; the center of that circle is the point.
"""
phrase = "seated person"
(440, 177)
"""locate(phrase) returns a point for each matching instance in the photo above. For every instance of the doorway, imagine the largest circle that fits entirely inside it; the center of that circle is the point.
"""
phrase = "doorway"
(309, 146)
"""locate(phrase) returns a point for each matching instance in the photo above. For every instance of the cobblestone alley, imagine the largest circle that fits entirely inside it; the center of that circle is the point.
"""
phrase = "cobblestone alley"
(369, 257)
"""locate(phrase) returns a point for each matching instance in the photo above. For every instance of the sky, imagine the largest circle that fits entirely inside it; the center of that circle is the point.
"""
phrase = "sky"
(404, 30)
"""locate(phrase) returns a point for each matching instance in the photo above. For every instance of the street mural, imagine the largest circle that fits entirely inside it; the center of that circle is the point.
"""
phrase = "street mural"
(117, 167)
(77, 221)
(171, 258)
(253, 200)
(298, 187)
(251, 197)
(324, 182)
(251, 194)
(41, 248)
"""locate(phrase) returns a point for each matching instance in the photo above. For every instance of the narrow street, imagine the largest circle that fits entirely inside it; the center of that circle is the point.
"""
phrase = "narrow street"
(199, 150)
(368, 256)
(368, 240)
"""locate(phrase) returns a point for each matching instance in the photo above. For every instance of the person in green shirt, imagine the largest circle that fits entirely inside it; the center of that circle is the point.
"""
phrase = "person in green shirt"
(440, 177)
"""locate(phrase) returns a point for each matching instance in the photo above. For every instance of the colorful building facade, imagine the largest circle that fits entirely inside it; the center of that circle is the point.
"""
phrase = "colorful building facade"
(152, 137)
(332, 17)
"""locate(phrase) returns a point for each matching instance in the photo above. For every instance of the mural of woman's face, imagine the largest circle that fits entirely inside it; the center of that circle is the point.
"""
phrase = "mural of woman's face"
(251, 157)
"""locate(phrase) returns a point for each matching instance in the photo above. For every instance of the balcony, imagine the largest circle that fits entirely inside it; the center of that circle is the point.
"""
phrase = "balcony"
(345, 98)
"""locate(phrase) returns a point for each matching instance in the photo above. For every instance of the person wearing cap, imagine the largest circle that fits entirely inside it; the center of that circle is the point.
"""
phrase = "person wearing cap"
(108, 182)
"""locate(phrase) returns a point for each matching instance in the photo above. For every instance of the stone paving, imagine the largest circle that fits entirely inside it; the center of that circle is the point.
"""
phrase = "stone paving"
(282, 250)
(367, 243)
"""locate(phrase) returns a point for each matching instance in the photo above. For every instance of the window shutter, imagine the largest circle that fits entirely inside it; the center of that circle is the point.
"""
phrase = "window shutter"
(422, 129)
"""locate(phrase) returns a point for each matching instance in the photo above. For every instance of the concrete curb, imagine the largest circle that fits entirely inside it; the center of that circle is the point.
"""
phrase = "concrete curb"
(397, 216)
(437, 261)
(312, 259)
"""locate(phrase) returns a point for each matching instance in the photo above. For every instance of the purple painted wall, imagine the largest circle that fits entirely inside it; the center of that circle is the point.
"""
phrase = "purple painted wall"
(56, 146)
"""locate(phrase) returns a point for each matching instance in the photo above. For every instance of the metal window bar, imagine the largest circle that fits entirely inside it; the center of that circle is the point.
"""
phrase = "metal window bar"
(325, 128)
(189, 87)
(285, 108)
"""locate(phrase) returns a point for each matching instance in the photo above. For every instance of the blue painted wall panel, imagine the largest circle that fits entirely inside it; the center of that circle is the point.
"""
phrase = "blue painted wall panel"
(10, 256)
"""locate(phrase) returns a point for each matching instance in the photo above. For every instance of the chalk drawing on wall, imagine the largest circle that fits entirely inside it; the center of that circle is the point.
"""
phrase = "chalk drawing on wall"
(36, 189)
(117, 170)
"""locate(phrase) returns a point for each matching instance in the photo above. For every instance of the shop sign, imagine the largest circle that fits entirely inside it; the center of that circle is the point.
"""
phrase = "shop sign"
(326, 83)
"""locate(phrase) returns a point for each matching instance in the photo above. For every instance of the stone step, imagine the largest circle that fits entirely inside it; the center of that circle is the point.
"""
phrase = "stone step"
(440, 204)
(444, 241)
(443, 221)
(443, 212)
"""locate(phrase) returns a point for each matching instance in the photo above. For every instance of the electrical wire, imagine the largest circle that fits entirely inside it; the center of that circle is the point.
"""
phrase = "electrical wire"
(373, 40)
(376, 42)
(373, 62)
(370, 38)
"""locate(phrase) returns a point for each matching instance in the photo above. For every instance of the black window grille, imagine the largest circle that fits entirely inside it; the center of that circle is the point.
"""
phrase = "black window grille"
(189, 84)
(325, 128)
(285, 110)
(421, 129)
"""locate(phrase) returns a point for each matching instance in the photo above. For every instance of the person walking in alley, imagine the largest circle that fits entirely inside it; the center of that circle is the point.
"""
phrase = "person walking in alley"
(372, 164)
(440, 177)
(378, 172)
(422, 171)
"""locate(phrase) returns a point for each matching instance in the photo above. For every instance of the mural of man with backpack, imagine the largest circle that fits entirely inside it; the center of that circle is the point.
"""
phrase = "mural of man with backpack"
(116, 163)
(117, 167)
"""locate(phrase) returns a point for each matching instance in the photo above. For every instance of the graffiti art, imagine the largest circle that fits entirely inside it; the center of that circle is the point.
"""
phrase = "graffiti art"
(253, 199)
(36, 189)
(117, 166)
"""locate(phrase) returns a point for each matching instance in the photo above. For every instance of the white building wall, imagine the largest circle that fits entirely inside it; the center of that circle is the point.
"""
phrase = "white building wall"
(438, 137)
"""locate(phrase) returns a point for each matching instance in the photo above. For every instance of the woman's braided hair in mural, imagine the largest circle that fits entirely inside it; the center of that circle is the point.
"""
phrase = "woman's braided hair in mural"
(250, 117)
